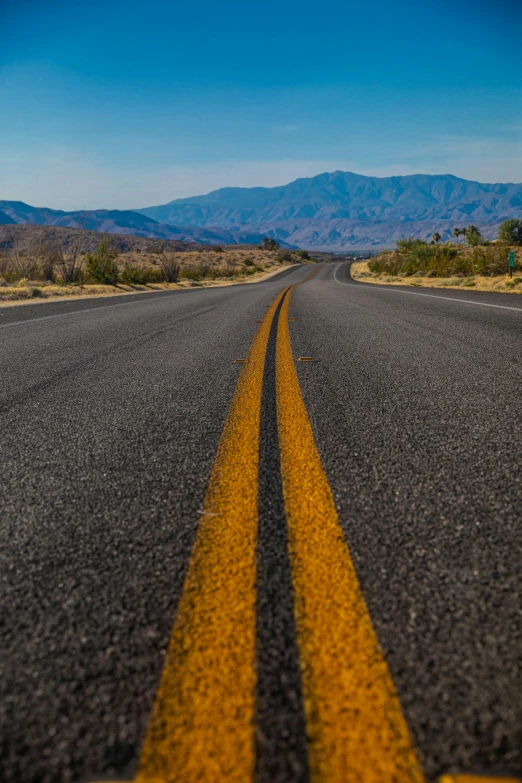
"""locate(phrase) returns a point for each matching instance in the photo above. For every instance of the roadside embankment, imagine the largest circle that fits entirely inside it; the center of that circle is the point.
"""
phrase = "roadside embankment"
(25, 294)
(45, 272)
(389, 272)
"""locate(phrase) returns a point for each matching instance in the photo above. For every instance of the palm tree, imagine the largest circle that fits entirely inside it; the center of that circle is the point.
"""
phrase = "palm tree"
(456, 233)
(436, 237)
(464, 231)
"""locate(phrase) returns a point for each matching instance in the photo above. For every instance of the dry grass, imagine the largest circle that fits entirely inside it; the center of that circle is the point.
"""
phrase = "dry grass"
(206, 268)
(499, 284)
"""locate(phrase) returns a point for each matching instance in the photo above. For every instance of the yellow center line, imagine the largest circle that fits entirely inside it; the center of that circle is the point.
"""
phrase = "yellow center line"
(201, 727)
(355, 724)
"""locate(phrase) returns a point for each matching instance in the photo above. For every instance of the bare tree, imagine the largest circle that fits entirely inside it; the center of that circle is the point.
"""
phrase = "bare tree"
(23, 262)
(48, 252)
(70, 261)
(169, 264)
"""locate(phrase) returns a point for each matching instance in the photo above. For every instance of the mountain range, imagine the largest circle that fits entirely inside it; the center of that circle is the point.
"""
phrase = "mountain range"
(332, 211)
(112, 221)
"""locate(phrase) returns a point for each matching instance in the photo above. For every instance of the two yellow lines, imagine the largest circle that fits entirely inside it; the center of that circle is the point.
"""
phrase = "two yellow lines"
(202, 725)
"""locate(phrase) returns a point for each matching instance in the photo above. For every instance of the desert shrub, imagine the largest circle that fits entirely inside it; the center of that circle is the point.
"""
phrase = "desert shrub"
(101, 265)
(414, 256)
(283, 256)
(34, 291)
(473, 236)
(49, 254)
(190, 273)
(70, 265)
(217, 248)
(140, 274)
(213, 272)
(268, 243)
(510, 231)
(23, 263)
(408, 244)
(303, 254)
(230, 270)
(490, 260)
(227, 270)
(169, 265)
(6, 268)
(248, 261)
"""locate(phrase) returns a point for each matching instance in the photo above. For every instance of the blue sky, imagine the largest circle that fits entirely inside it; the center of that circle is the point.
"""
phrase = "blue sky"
(126, 104)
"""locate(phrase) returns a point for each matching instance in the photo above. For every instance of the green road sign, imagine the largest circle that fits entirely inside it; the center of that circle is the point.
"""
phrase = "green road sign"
(511, 258)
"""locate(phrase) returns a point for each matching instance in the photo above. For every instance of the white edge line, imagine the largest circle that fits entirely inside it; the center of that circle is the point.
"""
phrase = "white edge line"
(432, 296)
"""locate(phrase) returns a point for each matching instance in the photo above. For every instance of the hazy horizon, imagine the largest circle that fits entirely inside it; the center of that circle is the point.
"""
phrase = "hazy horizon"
(333, 171)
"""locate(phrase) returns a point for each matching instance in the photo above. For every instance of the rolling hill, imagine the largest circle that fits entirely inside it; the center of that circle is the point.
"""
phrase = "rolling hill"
(116, 221)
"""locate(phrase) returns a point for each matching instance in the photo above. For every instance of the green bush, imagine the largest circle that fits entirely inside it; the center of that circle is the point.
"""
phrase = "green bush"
(473, 236)
(414, 256)
(101, 266)
(510, 232)
(303, 254)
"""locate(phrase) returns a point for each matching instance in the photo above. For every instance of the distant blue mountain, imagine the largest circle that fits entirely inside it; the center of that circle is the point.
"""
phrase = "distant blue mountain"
(331, 211)
(113, 221)
(344, 209)
(5, 219)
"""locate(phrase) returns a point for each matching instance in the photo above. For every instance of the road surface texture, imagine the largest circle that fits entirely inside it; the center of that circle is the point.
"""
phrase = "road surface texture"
(300, 567)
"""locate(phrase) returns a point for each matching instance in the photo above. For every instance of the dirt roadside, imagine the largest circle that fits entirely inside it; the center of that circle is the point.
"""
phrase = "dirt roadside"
(55, 293)
(502, 284)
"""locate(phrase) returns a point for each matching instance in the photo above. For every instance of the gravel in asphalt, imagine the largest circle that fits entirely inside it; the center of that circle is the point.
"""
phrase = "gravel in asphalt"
(111, 415)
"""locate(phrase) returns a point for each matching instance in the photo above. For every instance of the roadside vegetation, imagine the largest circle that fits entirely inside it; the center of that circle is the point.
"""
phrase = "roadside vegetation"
(42, 266)
(472, 263)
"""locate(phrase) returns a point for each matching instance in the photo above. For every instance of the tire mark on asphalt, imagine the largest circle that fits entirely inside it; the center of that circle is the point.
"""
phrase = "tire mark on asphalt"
(78, 367)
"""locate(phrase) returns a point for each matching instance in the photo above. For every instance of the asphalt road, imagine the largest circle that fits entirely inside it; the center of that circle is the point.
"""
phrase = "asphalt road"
(111, 416)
